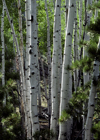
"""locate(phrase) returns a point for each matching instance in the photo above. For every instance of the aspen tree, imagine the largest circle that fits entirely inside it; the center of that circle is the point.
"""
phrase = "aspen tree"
(80, 37)
(93, 94)
(20, 30)
(28, 42)
(34, 81)
(80, 19)
(3, 51)
(27, 65)
(75, 45)
(14, 54)
(21, 53)
(86, 38)
(65, 71)
(59, 64)
(70, 121)
(91, 102)
(39, 91)
(54, 73)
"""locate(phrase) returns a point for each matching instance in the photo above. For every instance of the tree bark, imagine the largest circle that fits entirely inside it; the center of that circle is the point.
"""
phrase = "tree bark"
(65, 95)
(27, 65)
(3, 49)
(34, 80)
(91, 102)
(54, 73)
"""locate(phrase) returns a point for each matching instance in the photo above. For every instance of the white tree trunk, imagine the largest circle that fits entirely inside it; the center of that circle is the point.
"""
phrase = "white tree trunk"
(27, 65)
(64, 98)
(75, 45)
(34, 81)
(21, 53)
(39, 91)
(54, 73)
(3, 52)
(14, 54)
(20, 30)
(80, 37)
(59, 65)
(69, 122)
(80, 19)
(91, 102)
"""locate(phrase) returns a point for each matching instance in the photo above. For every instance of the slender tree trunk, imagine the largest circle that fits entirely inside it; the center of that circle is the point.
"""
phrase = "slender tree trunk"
(34, 81)
(75, 50)
(80, 19)
(54, 74)
(69, 122)
(20, 30)
(21, 53)
(27, 65)
(3, 63)
(59, 65)
(64, 98)
(39, 91)
(3, 52)
(14, 62)
(91, 102)
(3, 49)
(86, 38)
(80, 37)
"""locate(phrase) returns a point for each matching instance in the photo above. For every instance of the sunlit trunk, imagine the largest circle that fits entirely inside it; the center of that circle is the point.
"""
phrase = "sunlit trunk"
(27, 66)
(54, 73)
(34, 80)
(65, 94)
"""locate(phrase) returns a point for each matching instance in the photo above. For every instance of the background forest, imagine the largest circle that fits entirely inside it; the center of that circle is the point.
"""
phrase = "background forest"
(49, 70)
